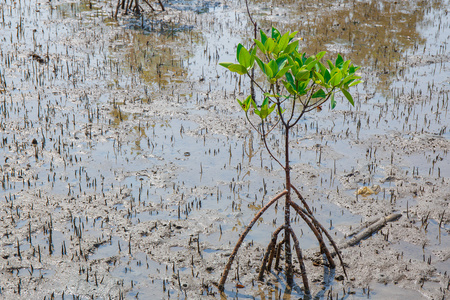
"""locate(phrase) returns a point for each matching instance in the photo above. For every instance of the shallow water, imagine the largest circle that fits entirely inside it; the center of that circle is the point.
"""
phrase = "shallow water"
(134, 111)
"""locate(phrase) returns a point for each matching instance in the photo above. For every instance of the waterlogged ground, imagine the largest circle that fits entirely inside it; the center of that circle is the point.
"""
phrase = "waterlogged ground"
(127, 170)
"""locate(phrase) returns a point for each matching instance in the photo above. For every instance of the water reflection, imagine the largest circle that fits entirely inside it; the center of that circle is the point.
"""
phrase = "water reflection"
(374, 33)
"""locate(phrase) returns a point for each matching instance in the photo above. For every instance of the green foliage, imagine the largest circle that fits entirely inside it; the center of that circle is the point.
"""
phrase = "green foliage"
(292, 75)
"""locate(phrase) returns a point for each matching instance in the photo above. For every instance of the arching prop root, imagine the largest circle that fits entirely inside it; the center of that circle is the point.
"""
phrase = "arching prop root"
(268, 256)
(300, 260)
(242, 237)
(274, 248)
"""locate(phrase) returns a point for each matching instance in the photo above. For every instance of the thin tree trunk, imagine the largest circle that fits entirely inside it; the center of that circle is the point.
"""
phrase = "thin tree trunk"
(287, 214)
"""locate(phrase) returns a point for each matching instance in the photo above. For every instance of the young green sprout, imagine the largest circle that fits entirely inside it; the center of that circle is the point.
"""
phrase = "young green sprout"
(294, 84)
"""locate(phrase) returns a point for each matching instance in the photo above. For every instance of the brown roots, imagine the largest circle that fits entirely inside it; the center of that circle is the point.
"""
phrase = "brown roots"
(274, 248)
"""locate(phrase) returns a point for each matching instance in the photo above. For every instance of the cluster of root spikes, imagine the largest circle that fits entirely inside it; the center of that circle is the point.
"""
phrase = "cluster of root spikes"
(134, 6)
(274, 248)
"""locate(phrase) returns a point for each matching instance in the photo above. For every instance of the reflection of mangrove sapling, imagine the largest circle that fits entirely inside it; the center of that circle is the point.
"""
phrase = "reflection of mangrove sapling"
(294, 85)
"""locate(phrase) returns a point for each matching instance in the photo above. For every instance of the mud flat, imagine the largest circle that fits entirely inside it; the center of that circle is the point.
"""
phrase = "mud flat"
(127, 170)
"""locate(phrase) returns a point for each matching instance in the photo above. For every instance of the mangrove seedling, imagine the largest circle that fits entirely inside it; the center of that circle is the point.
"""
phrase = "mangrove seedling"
(293, 85)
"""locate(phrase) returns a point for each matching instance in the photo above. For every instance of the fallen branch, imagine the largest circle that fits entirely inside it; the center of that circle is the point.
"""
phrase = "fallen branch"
(368, 229)
(374, 227)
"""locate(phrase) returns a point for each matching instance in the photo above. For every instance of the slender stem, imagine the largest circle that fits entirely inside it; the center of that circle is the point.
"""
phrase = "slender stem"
(268, 149)
(250, 16)
(293, 109)
(242, 237)
(287, 212)
(317, 104)
(254, 127)
(273, 127)
(256, 83)
(300, 259)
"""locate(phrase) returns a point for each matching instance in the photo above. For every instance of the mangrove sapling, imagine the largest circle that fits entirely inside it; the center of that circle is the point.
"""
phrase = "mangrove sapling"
(294, 84)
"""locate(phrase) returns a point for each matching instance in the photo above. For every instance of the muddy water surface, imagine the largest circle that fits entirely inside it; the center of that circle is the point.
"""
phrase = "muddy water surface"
(128, 170)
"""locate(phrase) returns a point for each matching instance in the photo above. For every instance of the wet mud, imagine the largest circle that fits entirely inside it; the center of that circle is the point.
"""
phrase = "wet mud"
(128, 170)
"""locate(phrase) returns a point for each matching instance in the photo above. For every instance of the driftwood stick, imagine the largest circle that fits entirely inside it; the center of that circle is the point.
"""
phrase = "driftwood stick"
(323, 247)
(313, 219)
(369, 230)
(242, 237)
(300, 260)
(270, 250)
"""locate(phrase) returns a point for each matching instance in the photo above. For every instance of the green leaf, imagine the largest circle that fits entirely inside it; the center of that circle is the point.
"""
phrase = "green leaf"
(291, 36)
(302, 75)
(282, 72)
(320, 77)
(274, 66)
(355, 83)
(347, 80)
(333, 102)
(284, 40)
(264, 108)
(301, 88)
(253, 56)
(330, 64)
(291, 47)
(263, 37)
(353, 69)
(225, 64)
(319, 94)
(260, 46)
(336, 79)
(289, 87)
(238, 51)
(339, 61)
(311, 64)
(281, 62)
(282, 111)
(327, 76)
(320, 55)
(237, 68)
(244, 57)
(275, 34)
(260, 64)
(321, 67)
(267, 70)
(308, 60)
(289, 78)
(271, 108)
(345, 66)
(348, 96)
(245, 105)
(269, 45)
